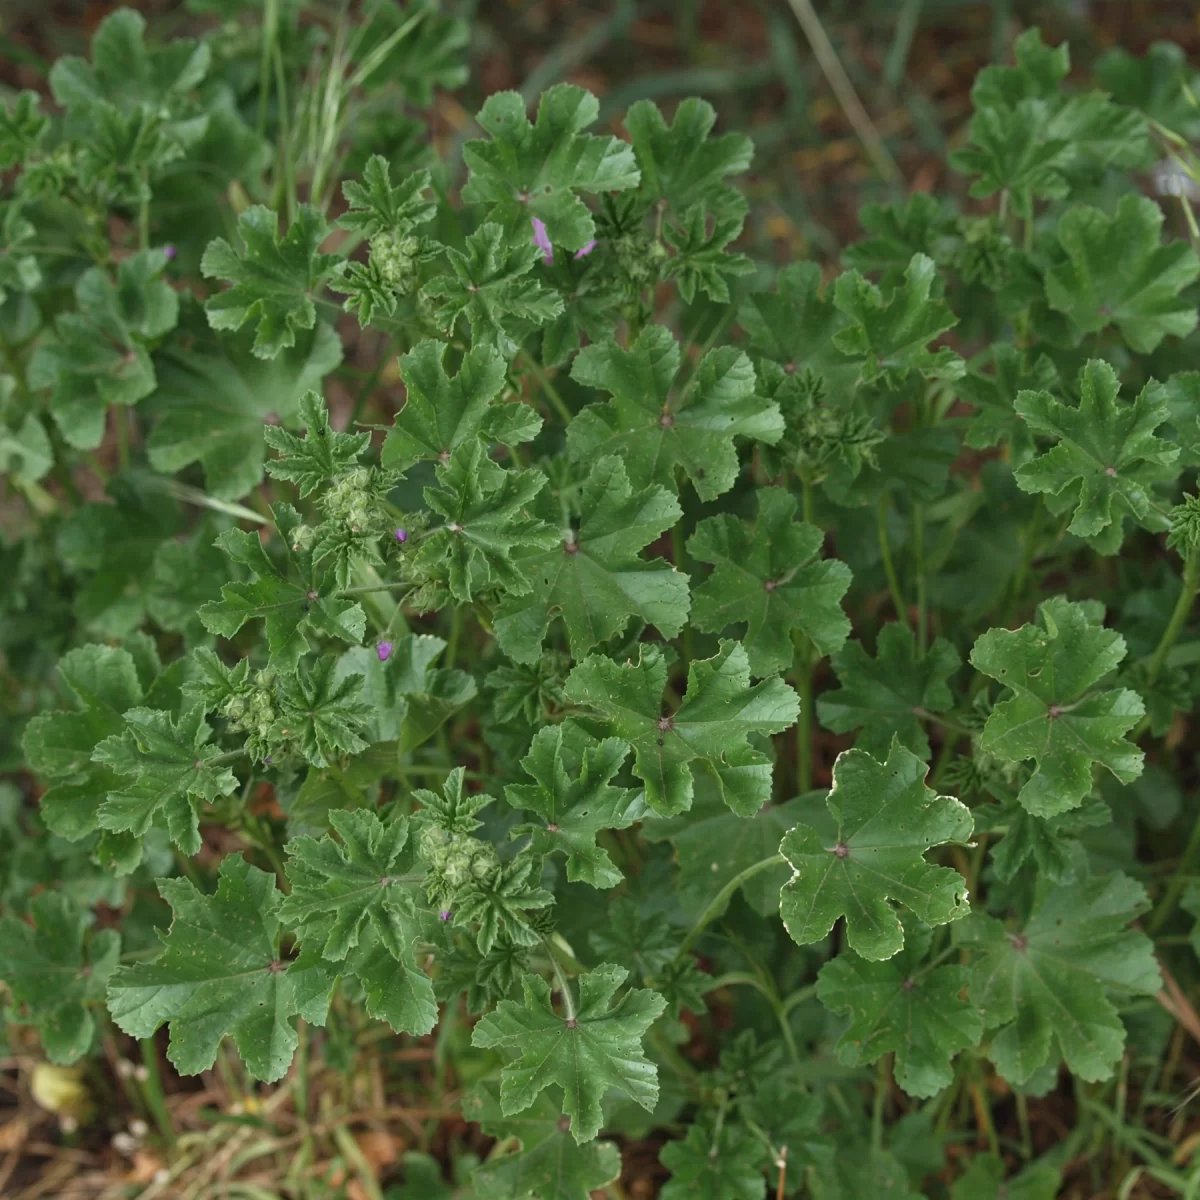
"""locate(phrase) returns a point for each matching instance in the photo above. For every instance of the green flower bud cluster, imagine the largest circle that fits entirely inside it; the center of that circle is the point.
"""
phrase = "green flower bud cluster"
(455, 860)
(395, 258)
(984, 254)
(252, 710)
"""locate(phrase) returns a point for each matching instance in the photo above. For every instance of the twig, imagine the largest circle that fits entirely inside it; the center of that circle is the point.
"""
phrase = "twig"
(843, 89)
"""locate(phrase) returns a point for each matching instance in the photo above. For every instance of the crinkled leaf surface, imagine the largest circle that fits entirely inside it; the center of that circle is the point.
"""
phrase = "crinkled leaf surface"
(486, 524)
(728, 1166)
(355, 897)
(378, 206)
(710, 727)
(1117, 272)
(574, 799)
(655, 426)
(1045, 988)
(534, 169)
(273, 278)
(48, 968)
(984, 1179)
(681, 163)
(904, 1007)
(101, 353)
(887, 820)
(594, 578)
(1107, 458)
(215, 402)
(1056, 714)
(882, 695)
(322, 713)
(219, 973)
(318, 457)
(287, 607)
(59, 745)
(766, 576)
(549, 1165)
(597, 1049)
(444, 411)
(891, 334)
(490, 285)
(171, 773)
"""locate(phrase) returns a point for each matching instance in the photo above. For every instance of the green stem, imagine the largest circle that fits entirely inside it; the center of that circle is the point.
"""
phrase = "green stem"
(552, 394)
(152, 1091)
(802, 677)
(721, 899)
(889, 567)
(367, 588)
(1166, 906)
(918, 520)
(562, 983)
(1023, 1122)
(368, 384)
(144, 214)
(1179, 615)
(120, 416)
(883, 1080)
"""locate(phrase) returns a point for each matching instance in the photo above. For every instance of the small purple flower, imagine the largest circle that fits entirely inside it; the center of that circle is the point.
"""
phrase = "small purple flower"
(267, 759)
(402, 536)
(169, 251)
(444, 914)
(541, 239)
(384, 650)
(584, 251)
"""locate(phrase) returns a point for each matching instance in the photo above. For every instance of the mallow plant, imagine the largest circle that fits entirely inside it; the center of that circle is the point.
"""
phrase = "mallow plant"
(471, 594)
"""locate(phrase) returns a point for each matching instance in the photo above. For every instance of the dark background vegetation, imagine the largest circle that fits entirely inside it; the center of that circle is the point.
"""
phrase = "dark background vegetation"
(912, 63)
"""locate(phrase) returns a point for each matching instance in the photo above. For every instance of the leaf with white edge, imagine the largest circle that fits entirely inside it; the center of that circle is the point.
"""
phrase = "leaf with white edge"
(273, 279)
(549, 1164)
(656, 427)
(574, 798)
(710, 728)
(713, 846)
(905, 1007)
(597, 1048)
(49, 970)
(442, 411)
(594, 578)
(886, 821)
(1054, 712)
(768, 575)
(219, 973)
(1045, 988)
(1116, 271)
(722, 1164)
(534, 170)
(1107, 458)
(885, 696)
(172, 775)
